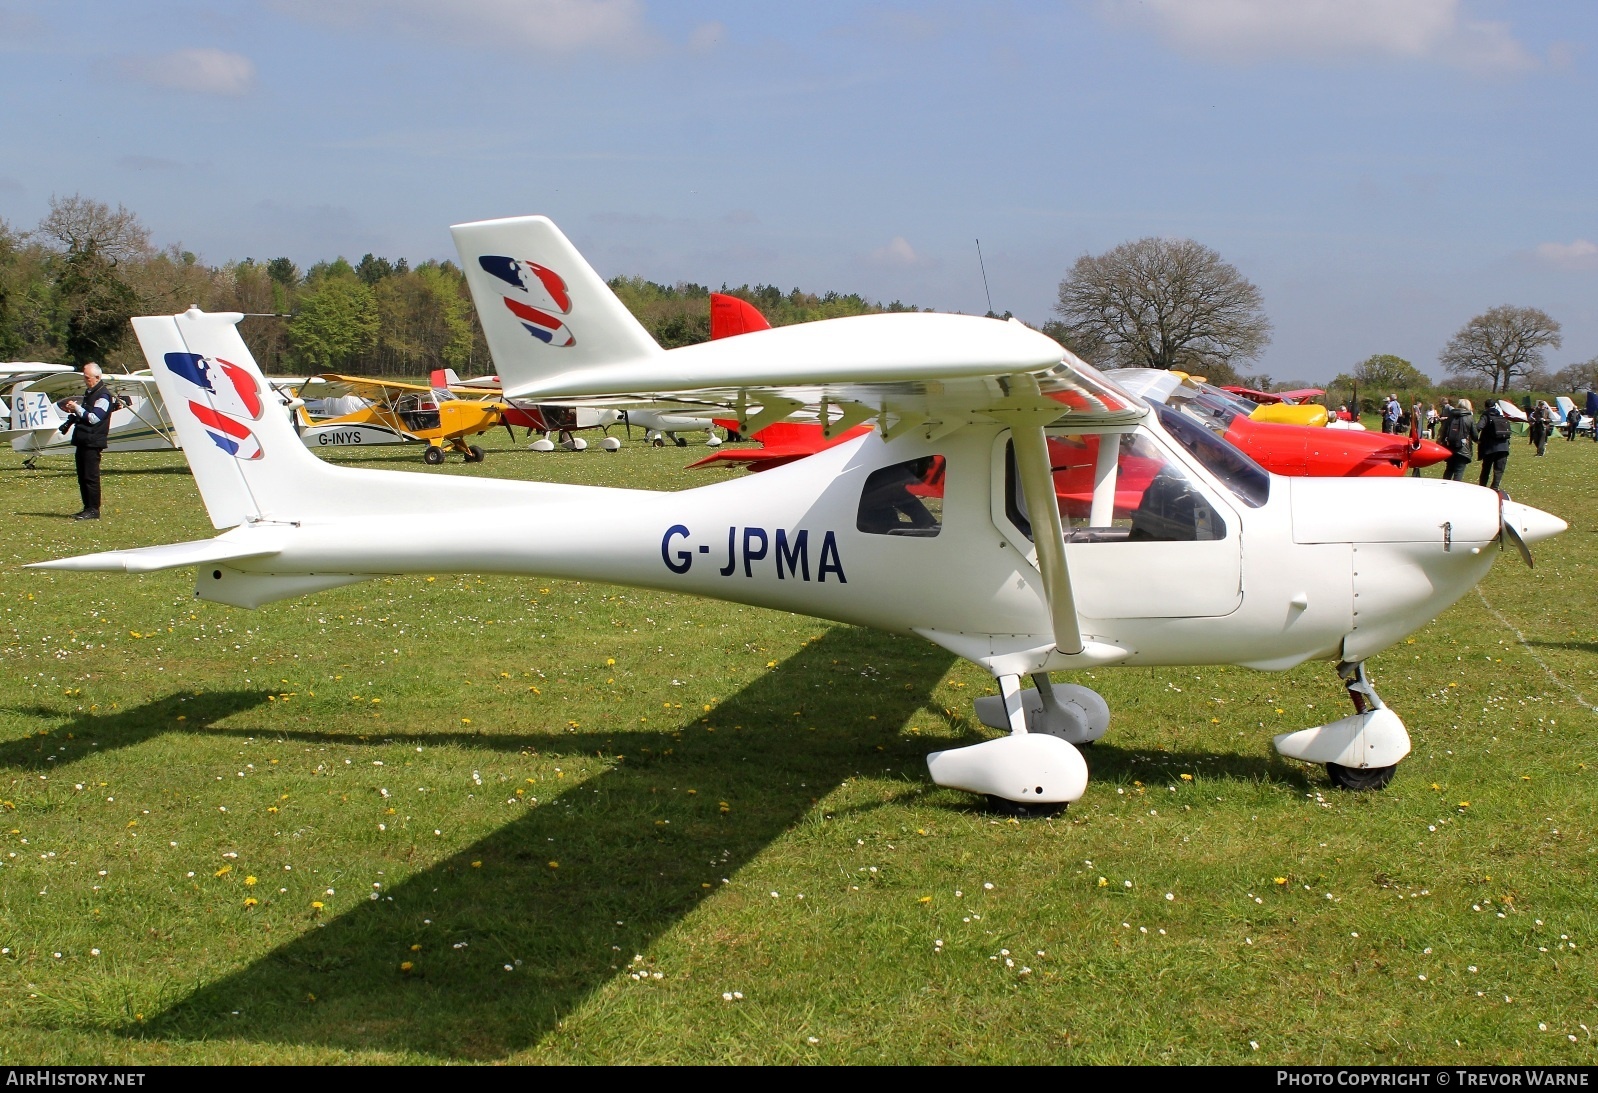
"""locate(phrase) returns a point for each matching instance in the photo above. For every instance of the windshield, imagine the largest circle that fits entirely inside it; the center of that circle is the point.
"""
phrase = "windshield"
(1236, 471)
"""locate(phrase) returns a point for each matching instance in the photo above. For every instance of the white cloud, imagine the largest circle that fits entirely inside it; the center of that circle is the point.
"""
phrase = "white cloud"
(1252, 30)
(204, 71)
(898, 252)
(1580, 254)
(548, 26)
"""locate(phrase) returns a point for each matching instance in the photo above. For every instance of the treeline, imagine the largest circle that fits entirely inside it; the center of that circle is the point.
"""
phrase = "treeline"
(69, 286)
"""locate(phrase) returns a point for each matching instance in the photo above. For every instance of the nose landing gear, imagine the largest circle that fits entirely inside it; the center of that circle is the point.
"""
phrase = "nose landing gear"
(1360, 752)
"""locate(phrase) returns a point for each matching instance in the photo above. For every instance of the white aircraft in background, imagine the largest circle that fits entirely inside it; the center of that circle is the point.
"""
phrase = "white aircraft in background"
(138, 424)
(942, 522)
(14, 376)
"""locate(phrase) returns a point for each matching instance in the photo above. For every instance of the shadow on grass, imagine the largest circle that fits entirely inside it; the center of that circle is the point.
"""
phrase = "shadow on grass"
(636, 853)
(81, 735)
(1573, 646)
(1108, 763)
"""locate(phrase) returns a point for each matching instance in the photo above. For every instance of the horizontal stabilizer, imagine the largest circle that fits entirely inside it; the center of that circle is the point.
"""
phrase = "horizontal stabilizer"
(153, 558)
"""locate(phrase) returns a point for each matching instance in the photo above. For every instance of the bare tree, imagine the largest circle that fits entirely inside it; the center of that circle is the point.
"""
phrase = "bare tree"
(82, 226)
(1164, 303)
(1499, 345)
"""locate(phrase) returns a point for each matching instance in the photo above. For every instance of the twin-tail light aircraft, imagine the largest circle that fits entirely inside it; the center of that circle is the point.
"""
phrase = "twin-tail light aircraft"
(943, 521)
(378, 411)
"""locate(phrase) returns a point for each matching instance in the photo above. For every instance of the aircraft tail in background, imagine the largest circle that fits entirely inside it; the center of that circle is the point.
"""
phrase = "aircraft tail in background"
(544, 310)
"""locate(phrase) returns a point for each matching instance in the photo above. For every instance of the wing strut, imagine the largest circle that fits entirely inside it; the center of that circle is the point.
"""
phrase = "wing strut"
(1037, 485)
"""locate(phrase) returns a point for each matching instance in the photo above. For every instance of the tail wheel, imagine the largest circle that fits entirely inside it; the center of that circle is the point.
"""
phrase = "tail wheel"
(474, 454)
(1359, 779)
(433, 456)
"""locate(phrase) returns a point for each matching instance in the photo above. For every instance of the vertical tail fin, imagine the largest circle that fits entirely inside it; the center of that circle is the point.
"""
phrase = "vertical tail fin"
(544, 310)
(247, 459)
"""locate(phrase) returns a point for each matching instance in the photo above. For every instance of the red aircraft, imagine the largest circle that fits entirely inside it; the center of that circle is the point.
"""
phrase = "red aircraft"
(1268, 398)
(1295, 450)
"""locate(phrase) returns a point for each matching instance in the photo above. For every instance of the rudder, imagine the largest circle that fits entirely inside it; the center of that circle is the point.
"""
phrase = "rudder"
(544, 310)
(236, 434)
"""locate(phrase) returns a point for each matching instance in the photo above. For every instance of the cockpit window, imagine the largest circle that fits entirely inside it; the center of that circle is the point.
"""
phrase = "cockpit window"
(1119, 487)
(1240, 474)
(904, 499)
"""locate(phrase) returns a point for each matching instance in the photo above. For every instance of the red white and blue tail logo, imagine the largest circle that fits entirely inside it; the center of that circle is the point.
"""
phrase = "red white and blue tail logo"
(218, 394)
(231, 436)
(539, 299)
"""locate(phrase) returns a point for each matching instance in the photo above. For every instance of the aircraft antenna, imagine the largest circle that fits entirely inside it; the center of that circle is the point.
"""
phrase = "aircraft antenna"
(983, 267)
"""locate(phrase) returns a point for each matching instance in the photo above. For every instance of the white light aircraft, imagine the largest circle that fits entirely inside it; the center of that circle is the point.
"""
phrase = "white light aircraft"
(138, 424)
(942, 522)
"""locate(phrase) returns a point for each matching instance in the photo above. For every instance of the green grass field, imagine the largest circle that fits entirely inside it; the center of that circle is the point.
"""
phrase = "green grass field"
(459, 819)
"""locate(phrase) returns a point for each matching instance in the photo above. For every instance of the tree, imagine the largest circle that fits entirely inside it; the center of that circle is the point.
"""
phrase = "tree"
(95, 246)
(1576, 377)
(83, 226)
(1499, 345)
(1164, 303)
(1391, 374)
(336, 323)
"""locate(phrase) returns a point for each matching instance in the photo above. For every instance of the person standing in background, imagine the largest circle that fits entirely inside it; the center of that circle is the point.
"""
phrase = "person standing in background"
(90, 422)
(1542, 423)
(1459, 432)
(1493, 433)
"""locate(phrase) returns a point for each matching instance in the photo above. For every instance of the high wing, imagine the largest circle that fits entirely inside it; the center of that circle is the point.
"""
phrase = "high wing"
(332, 385)
(557, 331)
(59, 385)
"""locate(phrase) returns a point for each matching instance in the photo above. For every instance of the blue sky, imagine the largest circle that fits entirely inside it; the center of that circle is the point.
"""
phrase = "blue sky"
(1381, 169)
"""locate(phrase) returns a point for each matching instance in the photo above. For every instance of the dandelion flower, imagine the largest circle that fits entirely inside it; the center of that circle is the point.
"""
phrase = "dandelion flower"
(250, 881)
(316, 905)
(251, 901)
(406, 966)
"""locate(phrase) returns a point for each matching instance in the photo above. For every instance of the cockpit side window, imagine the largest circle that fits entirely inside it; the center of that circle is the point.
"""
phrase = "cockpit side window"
(904, 499)
(1119, 487)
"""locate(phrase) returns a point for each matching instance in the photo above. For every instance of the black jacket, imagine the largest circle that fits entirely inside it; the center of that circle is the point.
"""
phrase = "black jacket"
(1459, 431)
(1487, 445)
(91, 425)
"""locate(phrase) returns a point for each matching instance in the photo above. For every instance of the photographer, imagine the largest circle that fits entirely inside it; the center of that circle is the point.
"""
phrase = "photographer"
(90, 422)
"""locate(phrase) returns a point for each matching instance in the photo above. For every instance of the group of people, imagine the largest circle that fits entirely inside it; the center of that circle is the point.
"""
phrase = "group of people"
(1457, 429)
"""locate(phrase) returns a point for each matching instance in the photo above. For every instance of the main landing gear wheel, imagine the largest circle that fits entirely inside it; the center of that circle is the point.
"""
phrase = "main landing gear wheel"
(1359, 779)
(1003, 806)
(433, 456)
(474, 454)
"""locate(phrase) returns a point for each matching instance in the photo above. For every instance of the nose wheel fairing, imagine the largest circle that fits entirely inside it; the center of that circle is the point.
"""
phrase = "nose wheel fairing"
(1361, 751)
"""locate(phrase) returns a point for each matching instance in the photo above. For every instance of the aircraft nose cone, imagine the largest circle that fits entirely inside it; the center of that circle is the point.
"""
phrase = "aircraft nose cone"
(1430, 452)
(1534, 525)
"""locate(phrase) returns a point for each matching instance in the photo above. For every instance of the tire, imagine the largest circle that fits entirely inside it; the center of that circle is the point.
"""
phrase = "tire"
(474, 454)
(1359, 779)
(1002, 806)
(433, 456)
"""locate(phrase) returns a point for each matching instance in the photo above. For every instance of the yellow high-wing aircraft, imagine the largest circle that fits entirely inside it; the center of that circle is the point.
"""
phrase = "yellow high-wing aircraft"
(437, 416)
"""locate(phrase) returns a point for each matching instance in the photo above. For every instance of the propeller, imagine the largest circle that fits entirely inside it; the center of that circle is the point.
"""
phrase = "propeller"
(627, 421)
(1508, 530)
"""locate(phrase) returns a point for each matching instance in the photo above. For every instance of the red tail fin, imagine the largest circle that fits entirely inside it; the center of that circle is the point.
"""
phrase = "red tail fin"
(730, 316)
